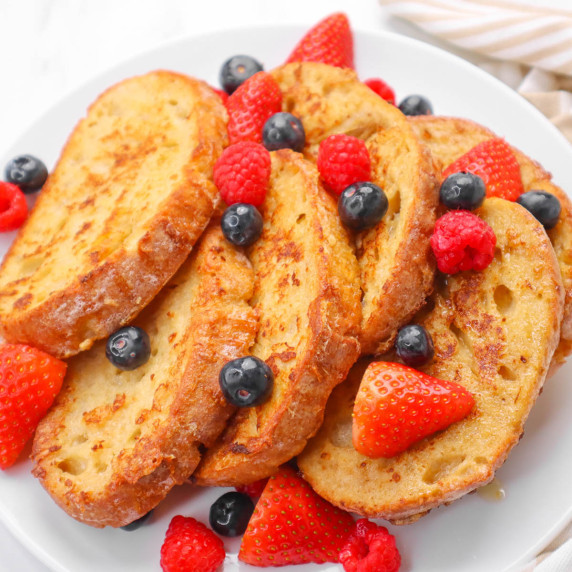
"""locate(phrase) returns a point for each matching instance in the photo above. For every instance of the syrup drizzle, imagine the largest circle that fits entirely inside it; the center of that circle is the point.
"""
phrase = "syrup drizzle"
(494, 491)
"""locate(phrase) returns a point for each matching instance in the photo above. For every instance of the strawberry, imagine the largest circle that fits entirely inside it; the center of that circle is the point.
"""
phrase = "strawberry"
(397, 406)
(250, 106)
(253, 490)
(291, 524)
(329, 42)
(190, 546)
(29, 381)
(493, 161)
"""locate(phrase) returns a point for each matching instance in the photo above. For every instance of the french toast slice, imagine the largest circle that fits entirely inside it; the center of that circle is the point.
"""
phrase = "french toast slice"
(494, 333)
(307, 298)
(115, 442)
(127, 200)
(449, 138)
(396, 265)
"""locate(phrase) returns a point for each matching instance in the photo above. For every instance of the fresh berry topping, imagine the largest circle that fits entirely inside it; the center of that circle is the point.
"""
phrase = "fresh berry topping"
(246, 381)
(291, 524)
(462, 191)
(13, 207)
(27, 172)
(236, 70)
(342, 161)
(29, 381)
(283, 131)
(230, 513)
(250, 106)
(330, 42)
(397, 406)
(222, 94)
(362, 205)
(189, 546)
(416, 105)
(241, 224)
(493, 161)
(137, 523)
(414, 345)
(544, 206)
(253, 490)
(128, 348)
(462, 241)
(382, 89)
(242, 173)
(370, 548)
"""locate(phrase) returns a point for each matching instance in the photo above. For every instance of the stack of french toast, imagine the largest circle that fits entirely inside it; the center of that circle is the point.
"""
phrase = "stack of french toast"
(127, 231)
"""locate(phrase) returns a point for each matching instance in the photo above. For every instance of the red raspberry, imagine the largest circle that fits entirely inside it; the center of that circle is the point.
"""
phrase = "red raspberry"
(190, 546)
(29, 381)
(342, 161)
(13, 207)
(462, 241)
(370, 548)
(382, 89)
(251, 105)
(242, 173)
(253, 490)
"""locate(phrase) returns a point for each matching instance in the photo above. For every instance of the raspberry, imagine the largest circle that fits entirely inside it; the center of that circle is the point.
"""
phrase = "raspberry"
(253, 490)
(370, 548)
(381, 88)
(189, 546)
(462, 241)
(251, 105)
(242, 173)
(13, 207)
(342, 161)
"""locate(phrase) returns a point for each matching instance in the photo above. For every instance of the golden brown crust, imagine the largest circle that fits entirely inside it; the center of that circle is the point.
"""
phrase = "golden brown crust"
(130, 195)
(494, 332)
(307, 297)
(396, 263)
(449, 138)
(116, 442)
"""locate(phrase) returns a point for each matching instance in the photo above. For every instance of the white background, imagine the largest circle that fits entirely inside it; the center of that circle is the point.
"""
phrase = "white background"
(49, 47)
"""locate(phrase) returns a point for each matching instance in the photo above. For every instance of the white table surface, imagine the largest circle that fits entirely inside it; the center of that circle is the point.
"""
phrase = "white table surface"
(49, 47)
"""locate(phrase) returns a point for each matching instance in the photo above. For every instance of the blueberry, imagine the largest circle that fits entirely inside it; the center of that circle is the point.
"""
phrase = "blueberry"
(362, 205)
(246, 381)
(414, 345)
(26, 171)
(230, 514)
(462, 191)
(137, 523)
(241, 224)
(416, 105)
(545, 207)
(128, 348)
(237, 70)
(283, 131)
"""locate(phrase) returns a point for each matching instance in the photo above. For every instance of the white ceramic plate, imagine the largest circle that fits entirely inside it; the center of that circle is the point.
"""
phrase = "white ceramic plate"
(471, 535)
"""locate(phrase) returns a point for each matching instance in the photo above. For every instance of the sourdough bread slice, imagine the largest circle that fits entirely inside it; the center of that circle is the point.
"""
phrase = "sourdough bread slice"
(306, 295)
(115, 442)
(449, 138)
(396, 265)
(128, 198)
(494, 333)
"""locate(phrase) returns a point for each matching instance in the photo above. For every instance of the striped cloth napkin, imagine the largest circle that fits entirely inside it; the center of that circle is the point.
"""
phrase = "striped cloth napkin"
(527, 46)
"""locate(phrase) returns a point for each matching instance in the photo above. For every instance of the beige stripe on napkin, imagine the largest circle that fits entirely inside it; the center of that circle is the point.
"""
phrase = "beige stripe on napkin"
(535, 36)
